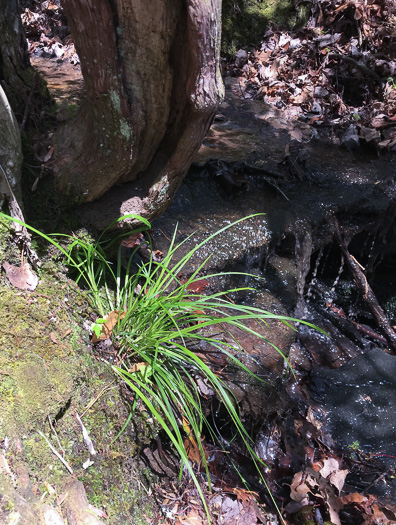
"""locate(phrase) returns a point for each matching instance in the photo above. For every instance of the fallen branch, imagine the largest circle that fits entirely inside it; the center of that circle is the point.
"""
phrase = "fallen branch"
(368, 294)
(357, 64)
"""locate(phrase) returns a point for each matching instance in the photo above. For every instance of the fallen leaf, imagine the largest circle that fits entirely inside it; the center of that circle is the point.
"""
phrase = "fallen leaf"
(48, 155)
(192, 519)
(338, 479)
(330, 465)
(138, 367)
(298, 489)
(197, 286)
(21, 277)
(246, 496)
(135, 239)
(157, 255)
(107, 328)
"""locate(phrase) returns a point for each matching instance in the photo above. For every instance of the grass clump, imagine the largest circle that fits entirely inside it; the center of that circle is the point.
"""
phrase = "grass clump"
(159, 323)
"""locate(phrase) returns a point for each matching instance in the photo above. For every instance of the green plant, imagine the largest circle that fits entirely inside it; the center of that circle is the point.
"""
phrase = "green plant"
(161, 323)
(355, 446)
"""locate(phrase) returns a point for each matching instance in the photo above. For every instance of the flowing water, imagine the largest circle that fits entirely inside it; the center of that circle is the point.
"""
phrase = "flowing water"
(300, 272)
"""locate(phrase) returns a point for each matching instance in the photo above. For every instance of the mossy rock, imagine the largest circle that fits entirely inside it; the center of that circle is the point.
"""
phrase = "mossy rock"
(48, 373)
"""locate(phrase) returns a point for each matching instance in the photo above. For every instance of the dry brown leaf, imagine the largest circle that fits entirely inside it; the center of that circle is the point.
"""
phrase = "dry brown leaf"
(137, 367)
(68, 332)
(135, 239)
(157, 255)
(192, 450)
(334, 505)
(338, 479)
(192, 519)
(355, 497)
(197, 286)
(330, 465)
(246, 496)
(298, 489)
(107, 328)
(21, 277)
(48, 155)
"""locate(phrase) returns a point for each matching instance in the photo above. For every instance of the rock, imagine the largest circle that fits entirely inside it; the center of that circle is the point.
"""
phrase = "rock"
(51, 516)
(241, 58)
(350, 139)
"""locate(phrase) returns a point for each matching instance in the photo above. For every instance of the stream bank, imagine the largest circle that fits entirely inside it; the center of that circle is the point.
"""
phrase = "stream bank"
(248, 164)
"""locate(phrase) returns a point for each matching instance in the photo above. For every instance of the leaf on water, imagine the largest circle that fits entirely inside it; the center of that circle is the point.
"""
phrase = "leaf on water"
(107, 327)
(197, 286)
(21, 277)
(135, 239)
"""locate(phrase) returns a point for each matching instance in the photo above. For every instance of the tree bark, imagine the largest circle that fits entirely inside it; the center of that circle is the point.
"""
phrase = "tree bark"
(152, 79)
(18, 79)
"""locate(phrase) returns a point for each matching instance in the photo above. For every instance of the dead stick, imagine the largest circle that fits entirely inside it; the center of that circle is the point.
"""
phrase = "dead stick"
(369, 72)
(365, 288)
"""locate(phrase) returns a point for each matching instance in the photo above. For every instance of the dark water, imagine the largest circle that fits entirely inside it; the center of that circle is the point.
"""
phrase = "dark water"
(360, 401)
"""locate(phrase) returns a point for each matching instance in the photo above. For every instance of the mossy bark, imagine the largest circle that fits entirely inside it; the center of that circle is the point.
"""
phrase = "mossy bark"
(151, 72)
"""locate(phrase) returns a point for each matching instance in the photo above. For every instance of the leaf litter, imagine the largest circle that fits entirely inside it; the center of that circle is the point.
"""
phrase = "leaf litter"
(337, 74)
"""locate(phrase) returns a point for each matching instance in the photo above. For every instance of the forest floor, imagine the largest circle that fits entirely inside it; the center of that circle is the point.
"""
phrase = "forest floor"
(328, 87)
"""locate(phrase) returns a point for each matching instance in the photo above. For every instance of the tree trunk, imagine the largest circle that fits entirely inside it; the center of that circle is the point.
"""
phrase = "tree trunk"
(152, 80)
(18, 79)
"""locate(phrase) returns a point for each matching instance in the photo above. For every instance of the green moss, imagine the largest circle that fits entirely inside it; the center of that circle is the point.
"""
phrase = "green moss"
(245, 21)
(8, 248)
(47, 374)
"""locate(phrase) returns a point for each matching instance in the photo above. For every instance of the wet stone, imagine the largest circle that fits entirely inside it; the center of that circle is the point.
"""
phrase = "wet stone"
(360, 400)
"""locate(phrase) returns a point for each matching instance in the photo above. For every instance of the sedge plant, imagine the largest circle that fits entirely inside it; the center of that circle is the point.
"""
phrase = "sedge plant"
(160, 323)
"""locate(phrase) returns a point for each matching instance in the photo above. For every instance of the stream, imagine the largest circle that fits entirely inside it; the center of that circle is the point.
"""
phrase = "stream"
(341, 401)
(347, 378)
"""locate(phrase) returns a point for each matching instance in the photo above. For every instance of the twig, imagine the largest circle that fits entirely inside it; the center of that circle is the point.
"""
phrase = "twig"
(93, 401)
(368, 294)
(56, 435)
(57, 454)
(167, 238)
(272, 183)
(355, 63)
(87, 439)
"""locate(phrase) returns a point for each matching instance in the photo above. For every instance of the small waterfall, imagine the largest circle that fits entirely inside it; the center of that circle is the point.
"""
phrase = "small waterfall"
(336, 280)
(314, 273)
(303, 253)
